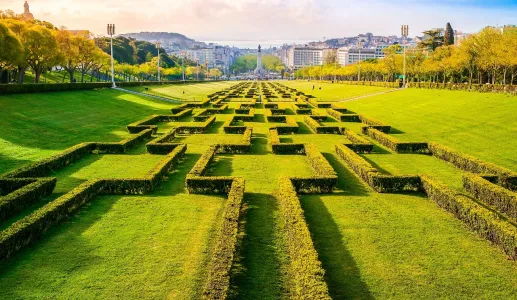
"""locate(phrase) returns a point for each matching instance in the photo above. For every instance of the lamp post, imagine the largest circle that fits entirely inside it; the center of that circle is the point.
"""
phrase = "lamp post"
(359, 45)
(197, 69)
(158, 46)
(111, 33)
(404, 31)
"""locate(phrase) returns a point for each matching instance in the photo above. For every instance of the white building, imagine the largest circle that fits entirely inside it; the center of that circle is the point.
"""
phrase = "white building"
(348, 56)
(300, 57)
(205, 56)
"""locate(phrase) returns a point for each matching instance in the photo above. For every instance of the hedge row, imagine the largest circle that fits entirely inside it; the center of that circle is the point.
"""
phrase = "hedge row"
(318, 161)
(481, 220)
(491, 194)
(394, 144)
(229, 126)
(201, 165)
(147, 123)
(375, 124)
(339, 116)
(483, 88)
(372, 83)
(6, 89)
(271, 105)
(284, 148)
(125, 145)
(196, 128)
(290, 127)
(275, 112)
(276, 119)
(379, 182)
(350, 118)
(507, 178)
(318, 184)
(178, 116)
(33, 226)
(320, 129)
(163, 144)
(223, 254)
(306, 275)
(360, 144)
(317, 104)
(238, 148)
(46, 166)
(26, 191)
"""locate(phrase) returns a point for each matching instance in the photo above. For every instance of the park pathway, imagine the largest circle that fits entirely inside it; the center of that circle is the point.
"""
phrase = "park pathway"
(370, 95)
(147, 95)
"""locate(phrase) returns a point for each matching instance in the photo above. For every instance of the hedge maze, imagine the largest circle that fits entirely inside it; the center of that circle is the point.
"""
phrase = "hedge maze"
(261, 120)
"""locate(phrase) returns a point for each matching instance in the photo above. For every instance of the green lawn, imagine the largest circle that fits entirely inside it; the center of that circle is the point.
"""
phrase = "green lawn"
(371, 245)
(332, 91)
(187, 91)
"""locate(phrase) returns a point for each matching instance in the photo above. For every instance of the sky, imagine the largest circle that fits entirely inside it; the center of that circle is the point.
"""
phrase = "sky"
(261, 20)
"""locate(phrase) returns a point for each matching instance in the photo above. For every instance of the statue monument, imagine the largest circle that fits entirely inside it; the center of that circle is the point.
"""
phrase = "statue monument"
(258, 71)
(27, 15)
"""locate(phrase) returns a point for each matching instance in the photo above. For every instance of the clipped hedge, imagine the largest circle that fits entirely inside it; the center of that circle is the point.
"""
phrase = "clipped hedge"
(506, 177)
(271, 105)
(284, 148)
(355, 118)
(221, 262)
(26, 191)
(306, 275)
(208, 185)
(318, 128)
(360, 144)
(147, 123)
(379, 182)
(375, 124)
(163, 144)
(482, 88)
(125, 145)
(46, 166)
(317, 104)
(179, 115)
(394, 144)
(6, 89)
(481, 220)
(33, 226)
(238, 148)
(491, 194)
(318, 161)
(196, 128)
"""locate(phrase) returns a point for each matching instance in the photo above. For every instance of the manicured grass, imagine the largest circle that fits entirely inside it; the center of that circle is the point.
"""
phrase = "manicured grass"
(332, 91)
(187, 91)
(371, 245)
(40, 125)
(479, 124)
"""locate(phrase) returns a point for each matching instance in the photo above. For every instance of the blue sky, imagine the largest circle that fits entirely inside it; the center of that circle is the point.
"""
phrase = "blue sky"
(271, 19)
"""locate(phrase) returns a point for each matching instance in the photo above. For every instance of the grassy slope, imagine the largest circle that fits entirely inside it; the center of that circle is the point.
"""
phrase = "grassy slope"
(475, 123)
(334, 91)
(186, 92)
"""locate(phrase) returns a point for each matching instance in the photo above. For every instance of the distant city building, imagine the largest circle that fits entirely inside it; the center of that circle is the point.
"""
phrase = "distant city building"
(348, 56)
(27, 15)
(300, 57)
(221, 57)
(205, 56)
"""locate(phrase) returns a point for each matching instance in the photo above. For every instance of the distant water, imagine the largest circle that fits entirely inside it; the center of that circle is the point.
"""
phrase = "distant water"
(254, 44)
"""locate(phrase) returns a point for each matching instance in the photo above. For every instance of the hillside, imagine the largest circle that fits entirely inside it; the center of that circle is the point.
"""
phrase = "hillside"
(178, 40)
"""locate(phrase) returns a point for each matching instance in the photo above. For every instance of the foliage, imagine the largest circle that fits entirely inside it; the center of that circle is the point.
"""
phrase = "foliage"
(247, 63)
(448, 38)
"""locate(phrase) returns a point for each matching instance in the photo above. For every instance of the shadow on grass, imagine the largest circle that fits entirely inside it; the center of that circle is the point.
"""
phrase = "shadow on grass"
(396, 131)
(347, 183)
(256, 273)
(286, 140)
(214, 128)
(375, 165)
(342, 274)
(260, 118)
(289, 111)
(259, 144)
(303, 129)
(175, 183)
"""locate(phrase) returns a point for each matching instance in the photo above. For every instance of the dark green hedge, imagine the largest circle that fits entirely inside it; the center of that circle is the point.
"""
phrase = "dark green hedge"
(271, 105)
(483, 88)
(125, 145)
(481, 220)
(163, 144)
(147, 123)
(208, 185)
(318, 161)
(202, 127)
(394, 144)
(507, 178)
(33, 226)
(484, 191)
(27, 191)
(361, 144)
(317, 104)
(290, 127)
(222, 257)
(46, 166)
(306, 275)
(360, 148)
(284, 148)
(314, 184)
(355, 118)
(43, 88)
(318, 128)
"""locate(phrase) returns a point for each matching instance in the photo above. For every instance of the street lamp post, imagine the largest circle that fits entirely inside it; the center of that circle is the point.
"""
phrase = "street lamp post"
(359, 45)
(158, 46)
(183, 66)
(111, 33)
(197, 69)
(405, 32)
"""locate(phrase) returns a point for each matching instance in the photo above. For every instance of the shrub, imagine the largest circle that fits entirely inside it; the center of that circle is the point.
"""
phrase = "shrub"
(147, 123)
(271, 105)
(318, 128)
(375, 124)
(25, 192)
(394, 144)
(163, 144)
(306, 275)
(351, 118)
(33, 226)
(221, 262)
(178, 116)
(360, 144)
(196, 128)
(123, 146)
(507, 178)
(318, 161)
(6, 89)
(491, 194)
(317, 104)
(481, 220)
(239, 148)
(56, 162)
(290, 127)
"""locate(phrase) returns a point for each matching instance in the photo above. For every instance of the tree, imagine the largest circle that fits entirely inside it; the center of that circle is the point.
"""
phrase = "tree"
(40, 46)
(68, 45)
(330, 58)
(448, 38)
(88, 53)
(12, 49)
(433, 39)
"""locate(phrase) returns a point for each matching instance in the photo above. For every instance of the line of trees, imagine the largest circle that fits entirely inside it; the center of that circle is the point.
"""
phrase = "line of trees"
(248, 63)
(487, 57)
(39, 47)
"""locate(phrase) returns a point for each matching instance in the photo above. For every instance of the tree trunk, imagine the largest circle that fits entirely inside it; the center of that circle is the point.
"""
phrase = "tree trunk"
(21, 74)
(37, 77)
